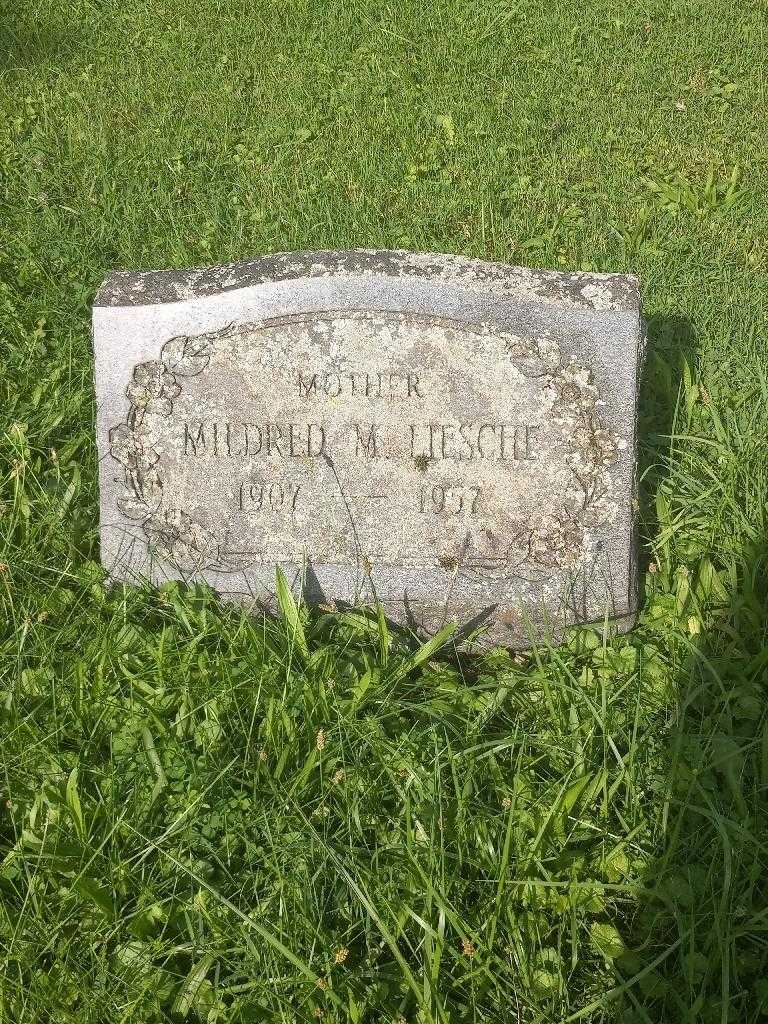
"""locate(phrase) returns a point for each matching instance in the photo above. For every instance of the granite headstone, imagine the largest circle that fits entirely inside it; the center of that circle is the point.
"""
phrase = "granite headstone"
(452, 438)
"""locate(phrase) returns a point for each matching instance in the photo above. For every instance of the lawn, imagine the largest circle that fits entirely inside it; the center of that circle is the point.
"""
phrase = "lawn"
(209, 817)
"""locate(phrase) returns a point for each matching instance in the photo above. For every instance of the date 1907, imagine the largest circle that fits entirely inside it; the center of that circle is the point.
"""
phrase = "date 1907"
(255, 496)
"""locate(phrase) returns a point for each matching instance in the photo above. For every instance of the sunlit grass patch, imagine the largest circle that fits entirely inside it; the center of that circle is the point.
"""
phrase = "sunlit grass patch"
(212, 817)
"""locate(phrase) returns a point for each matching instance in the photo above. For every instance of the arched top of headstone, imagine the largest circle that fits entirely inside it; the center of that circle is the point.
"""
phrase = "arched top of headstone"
(579, 290)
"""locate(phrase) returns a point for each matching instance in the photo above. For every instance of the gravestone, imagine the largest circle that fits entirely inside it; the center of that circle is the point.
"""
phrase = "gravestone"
(452, 438)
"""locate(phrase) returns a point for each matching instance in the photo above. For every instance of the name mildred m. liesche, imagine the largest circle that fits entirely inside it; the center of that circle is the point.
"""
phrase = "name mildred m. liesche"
(467, 441)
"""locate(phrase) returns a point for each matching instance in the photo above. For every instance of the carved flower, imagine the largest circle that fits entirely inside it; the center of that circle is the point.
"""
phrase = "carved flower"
(567, 391)
(124, 447)
(182, 540)
(153, 387)
(605, 445)
(487, 554)
(134, 507)
(525, 359)
(557, 542)
(534, 358)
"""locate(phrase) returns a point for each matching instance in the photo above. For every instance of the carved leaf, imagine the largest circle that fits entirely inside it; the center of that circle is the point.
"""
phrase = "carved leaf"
(133, 507)
(160, 407)
(188, 356)
(151, 488)
(234, 561)
(122, 445)
(146, 458)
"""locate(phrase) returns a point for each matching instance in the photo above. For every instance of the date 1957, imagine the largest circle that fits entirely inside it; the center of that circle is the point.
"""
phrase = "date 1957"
(449, 501)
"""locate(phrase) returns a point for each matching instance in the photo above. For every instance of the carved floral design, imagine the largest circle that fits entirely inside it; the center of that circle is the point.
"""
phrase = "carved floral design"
(173, 534)
(558, 539)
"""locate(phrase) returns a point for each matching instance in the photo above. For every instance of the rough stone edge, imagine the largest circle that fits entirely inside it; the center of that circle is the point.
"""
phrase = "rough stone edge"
(573, 289)
(629, 620)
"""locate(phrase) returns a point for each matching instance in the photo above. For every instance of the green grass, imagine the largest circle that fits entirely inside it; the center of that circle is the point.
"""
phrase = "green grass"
(211, 818)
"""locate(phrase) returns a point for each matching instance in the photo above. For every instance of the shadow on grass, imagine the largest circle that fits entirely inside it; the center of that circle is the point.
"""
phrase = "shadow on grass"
(671, 345)
(696, 938)
(697, 941)
(26, 42)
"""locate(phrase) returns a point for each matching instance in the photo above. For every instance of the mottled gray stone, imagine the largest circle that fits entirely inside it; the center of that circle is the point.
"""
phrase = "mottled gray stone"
(453, 438)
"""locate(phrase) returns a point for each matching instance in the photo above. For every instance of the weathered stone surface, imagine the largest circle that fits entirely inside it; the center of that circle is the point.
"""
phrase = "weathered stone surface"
(453, 438)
